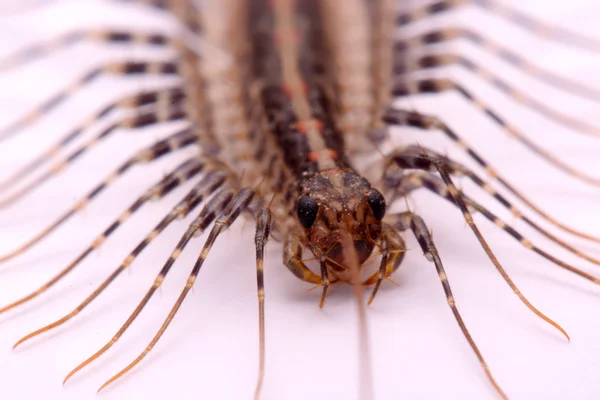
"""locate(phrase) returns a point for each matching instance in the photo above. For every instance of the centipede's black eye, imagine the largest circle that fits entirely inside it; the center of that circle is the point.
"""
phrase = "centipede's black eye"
(377, 203)
(307, 209)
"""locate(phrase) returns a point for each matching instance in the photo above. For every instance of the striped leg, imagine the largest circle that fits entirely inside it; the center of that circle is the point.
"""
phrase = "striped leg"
(551, 32)
(263, 229)
(405, 183)
(119, 68)
(408, 220)
(424, 162)
(212, 182)
(107, 37)
(439, 85)
(182, 173)
(238, 204)
(417, 180)
(161, 99)
(178, 140)
(404, 65)
(140, 120)
(414, 119)
(209, 212)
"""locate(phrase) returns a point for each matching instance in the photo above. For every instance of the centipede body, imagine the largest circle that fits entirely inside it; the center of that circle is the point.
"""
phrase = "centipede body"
(323, 354)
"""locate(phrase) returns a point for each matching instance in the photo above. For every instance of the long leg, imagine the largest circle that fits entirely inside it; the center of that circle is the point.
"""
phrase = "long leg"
(162, 99)
(408, 220)
(182, 173)
(427, 122)
(173, 143)
(208, 214)
(109, 36)
(263, 228)
(438, 85)
(404, 65)
(403, 184)
(39, 50)
(124, 68)
(425, 161)
(238, 204)
(434, 184)
(559, 34)
(141, 120)
(212, 181)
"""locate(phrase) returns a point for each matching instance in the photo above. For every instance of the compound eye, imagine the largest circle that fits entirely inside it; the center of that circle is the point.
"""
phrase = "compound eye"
(377, 203)
(307, 209)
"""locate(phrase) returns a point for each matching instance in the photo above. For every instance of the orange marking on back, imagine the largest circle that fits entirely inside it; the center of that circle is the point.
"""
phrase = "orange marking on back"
(314, 155)
(286, 36)
(304, 126)
(291, 87)
(279, 5)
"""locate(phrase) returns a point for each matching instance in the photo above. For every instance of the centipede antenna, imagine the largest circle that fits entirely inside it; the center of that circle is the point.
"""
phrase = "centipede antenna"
(263, 229)
(366, 380)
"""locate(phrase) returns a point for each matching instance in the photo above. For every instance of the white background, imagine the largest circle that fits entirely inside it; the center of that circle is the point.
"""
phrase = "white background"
(210, 350)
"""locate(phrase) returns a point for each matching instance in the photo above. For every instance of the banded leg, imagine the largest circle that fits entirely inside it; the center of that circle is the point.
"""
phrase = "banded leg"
(263, 229)
(403, 65)
(408, 220)
(162, 99)
(119, 68)
(406, 183)
(439, 85)
(36, 51)
(180, 139)
(107, 37)
(416, 120)
(141, 120)
(424, 161)
(553, 32)
(238, 204)
(182, 173)
(209, 212)
(212, 181)
(434, 184)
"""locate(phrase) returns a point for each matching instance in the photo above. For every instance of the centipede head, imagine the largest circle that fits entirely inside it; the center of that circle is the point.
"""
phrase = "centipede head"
(336, 202)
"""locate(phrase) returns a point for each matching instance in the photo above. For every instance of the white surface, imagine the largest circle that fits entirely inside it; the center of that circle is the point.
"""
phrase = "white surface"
(210, 350)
